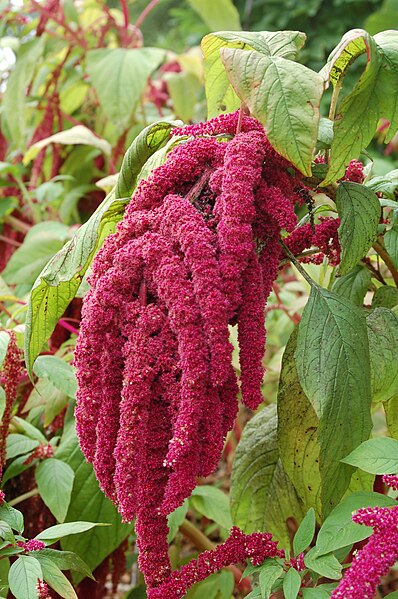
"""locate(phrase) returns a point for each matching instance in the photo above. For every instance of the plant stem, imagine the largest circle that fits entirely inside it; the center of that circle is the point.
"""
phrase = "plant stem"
(145, 13)
(18, 224)
(125, 10)
(385, 256)
(297, 264)
(23, 497)
(10, 241)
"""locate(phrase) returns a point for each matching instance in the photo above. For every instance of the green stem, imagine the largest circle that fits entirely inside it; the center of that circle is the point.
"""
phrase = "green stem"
(24, 496)
(27, 198)
(385, 256)
(297, 264)
(335, 96)
(18, 224)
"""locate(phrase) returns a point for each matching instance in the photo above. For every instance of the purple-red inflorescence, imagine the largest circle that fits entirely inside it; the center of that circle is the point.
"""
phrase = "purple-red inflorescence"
(10, 374)
(197, 251)
(376, 558)
(237, 548)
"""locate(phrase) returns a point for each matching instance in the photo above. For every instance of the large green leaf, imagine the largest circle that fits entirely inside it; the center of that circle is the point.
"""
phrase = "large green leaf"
(391, 411)
(89, 502)
(119, 76)
(59, 531)
(359, 211)
(298, 427)
(382, 326)
(14, 97)
(386, 297)
(66, 560)
(219, 93)
(262, 496)
(217, 15)
(58, 372)
(59, 281)
(212, 503)
(378, 456)
(55, 481)
(391, 243)
(359, 112)
(39, 246)
(19, 444)
(23, 576)
(353, 285)
(56, 579)
(332, 358)
(284, 96)
(339, 530)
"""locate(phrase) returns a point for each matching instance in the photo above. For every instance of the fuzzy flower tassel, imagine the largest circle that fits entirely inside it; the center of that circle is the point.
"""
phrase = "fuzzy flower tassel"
(374, 561)
(197, 252)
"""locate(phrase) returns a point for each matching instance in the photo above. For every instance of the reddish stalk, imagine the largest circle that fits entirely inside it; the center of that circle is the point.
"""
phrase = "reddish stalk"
(145, 13)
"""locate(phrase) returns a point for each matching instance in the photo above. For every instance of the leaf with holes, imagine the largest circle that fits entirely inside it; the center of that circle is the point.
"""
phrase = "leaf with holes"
(219, 92)
(284, 96)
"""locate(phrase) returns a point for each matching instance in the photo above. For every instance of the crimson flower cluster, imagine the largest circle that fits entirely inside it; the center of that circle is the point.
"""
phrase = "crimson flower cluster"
(197, 251)
(374, 561)
(10, 374)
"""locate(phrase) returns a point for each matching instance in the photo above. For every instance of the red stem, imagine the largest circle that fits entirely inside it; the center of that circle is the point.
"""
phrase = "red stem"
(126, 15)
(68, 326)
(145, 13)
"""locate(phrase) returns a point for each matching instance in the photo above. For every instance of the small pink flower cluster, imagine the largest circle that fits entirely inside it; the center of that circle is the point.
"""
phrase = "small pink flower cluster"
(323, 236)
(43, 592)
(391, 480)
(354, 172)
(2, 497)
(42, 452)
(32, 545)
(375, 559)
(237, 548)
(197, 251)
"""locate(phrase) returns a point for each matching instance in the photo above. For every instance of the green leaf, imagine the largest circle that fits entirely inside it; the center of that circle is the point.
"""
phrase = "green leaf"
(391, 411)
(149, 141)
(15, 468)
(4, 570)
(14, 97)
(382, 327)
(6, 532)
(28, 429)
(359, 211)
(332, 358)
(56, 579)
(385, 296)
(59, 281)
(326, 565)
(393, 595)
(38, 247)
(19, 444)
(305, 533)
(291, 584)
(175, 519)
(55, 481)
(58, 372)
(212, 503)
(262, 496)
(119, 76)
(316, 593)
(59, 531)
(12, 516)
(391, 244)
(4, 342)
(338, 530)
(377, 456)
(23, 576)
(219, 93)
(385, 184)
(66, 560)
(217, 586)
(217, 15)
(184, 89)
(90, 503)
(353, 285)
(298, 432)
(359, 112)
(73, 136)
(270, 571)
(284, 96)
